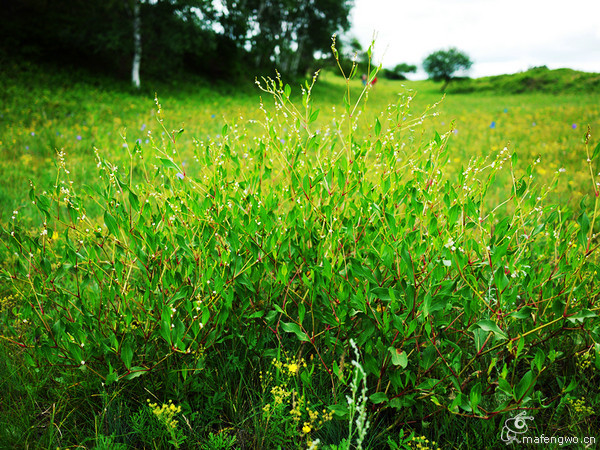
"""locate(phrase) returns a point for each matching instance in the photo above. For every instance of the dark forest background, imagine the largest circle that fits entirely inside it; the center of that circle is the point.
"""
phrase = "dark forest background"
(226, 39)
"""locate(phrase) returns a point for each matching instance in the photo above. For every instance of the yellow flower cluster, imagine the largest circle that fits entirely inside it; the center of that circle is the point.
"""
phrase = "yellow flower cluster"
(297, 408)
(306, 428)
(584, 361)
(422, 443)
(7, 303)
(290, 368)
(166, 413)
(580, 407)
(315, 420)
(305, 418)
(279, 395)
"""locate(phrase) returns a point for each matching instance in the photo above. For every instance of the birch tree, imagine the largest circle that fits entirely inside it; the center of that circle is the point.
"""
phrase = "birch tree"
(137, 45)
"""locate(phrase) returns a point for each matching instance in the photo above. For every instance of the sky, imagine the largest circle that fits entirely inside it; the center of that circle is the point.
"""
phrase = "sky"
(500, 37)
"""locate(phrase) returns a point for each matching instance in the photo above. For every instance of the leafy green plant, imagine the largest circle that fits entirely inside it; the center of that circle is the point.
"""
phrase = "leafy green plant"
(219, 441)
(301, 241)
(108, 443)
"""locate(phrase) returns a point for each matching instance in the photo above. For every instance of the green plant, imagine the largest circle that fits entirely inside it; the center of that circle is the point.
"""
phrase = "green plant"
(154, 424)
(290, 410)
(411, 441)
(108, 443)
(219, 441)
(190, 274)
(357, 405)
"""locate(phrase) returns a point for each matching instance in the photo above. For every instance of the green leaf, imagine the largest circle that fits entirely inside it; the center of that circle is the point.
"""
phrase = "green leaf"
(428, 357)
(135, 372)
(340, 410)
(301, 312)
(523, 313)
(475, 395)
(521, 187)
(111, 224)
(453, 215)
(505, 386)
(306, 185)
(500, 278)
(112, 376)
(313, 116)
(524, 385)
(168, 163)
(398, 358)
(596, 151)
(539, 358)
(127, 353)
(490, 326)
(520, 346)
(290, 327)
(165, 324)
(581, 316)
(584, 224)
(377, 127)
(134, 201)
(378, 397)
(479, 336)
(287, 90)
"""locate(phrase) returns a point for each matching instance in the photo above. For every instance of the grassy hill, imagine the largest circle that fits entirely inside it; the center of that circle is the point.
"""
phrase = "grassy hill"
(538, 79)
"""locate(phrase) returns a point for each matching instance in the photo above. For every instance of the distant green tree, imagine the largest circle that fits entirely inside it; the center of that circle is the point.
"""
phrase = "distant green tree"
(399, 71)
(443, 64)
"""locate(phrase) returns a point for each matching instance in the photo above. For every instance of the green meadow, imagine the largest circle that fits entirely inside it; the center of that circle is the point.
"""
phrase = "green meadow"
(46, 112)
(297, 264)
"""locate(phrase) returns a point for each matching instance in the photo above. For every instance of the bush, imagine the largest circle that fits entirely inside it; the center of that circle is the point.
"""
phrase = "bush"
(297, 243)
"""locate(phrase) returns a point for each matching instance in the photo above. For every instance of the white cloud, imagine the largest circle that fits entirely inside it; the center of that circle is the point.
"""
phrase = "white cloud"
(500, 36)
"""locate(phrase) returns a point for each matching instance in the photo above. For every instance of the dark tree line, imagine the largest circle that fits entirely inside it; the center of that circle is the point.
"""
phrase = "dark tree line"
(217, 38)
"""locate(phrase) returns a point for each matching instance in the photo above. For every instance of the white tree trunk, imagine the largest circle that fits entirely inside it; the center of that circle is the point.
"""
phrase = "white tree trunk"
(137, 44)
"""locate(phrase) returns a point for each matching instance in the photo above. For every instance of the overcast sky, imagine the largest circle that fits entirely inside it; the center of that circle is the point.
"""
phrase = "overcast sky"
(504, 36)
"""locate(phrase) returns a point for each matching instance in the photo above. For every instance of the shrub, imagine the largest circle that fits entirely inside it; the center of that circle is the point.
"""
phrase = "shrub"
(301, 241)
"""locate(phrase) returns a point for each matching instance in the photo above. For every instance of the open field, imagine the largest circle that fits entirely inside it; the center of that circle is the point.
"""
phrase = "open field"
(43, 113)
(221, 268)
